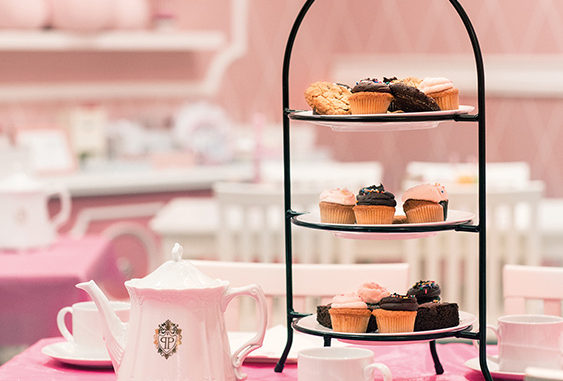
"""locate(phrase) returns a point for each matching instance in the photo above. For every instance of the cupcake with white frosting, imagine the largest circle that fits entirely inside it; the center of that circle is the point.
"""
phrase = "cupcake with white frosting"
(426, 203)
(349, 313)
(442, 90)
(336, 206)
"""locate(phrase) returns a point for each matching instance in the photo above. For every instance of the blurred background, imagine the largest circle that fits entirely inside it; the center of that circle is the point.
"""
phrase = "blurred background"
(143, 110)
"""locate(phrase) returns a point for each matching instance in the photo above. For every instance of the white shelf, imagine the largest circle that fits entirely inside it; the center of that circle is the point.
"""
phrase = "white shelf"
(142, 180)
(122, 41)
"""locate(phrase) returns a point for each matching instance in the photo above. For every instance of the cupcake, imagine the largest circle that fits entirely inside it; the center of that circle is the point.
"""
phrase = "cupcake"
(397, 313)
(442, 90)
(425, 291)
(348, 313)
(337, 206)
(371, 293)
(426, 203)
(374, 206)
(370, 96)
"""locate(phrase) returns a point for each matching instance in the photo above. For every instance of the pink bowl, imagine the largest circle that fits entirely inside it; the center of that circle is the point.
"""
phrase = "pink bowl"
(83, 15)
(23, 14)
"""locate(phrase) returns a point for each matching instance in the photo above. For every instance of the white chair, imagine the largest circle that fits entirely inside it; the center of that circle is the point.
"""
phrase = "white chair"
(513, 235)
(325, 174)
(251, 226)
(309, 280)
(522, 284)
(190, 221)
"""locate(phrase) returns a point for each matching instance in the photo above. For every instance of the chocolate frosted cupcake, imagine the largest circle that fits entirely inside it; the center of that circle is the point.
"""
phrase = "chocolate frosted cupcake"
(370, 96)
(375, 206)
(397, 313)
(425, 291)
(426, 203)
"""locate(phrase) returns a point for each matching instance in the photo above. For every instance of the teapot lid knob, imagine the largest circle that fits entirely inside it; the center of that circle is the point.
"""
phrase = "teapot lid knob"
(177, 252)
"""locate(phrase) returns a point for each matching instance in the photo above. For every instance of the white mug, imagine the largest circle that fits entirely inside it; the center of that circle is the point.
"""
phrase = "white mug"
(339, 364)
(87, 325)
(528, 340)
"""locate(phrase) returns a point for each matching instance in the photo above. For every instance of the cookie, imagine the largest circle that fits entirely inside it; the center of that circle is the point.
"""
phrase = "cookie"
(327, 98)
(410, 99)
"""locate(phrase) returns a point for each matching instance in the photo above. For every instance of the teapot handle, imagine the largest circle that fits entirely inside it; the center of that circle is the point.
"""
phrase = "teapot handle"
(64, 213)
(240, 354)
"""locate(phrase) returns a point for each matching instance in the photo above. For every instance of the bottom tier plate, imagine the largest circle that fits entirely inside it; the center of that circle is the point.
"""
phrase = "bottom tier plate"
(310, 325)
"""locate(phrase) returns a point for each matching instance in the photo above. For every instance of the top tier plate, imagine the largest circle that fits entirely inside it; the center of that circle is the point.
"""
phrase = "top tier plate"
(381, 122)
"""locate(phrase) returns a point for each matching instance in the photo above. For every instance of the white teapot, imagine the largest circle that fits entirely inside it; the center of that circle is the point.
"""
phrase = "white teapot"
(176, 329)
(24, 221)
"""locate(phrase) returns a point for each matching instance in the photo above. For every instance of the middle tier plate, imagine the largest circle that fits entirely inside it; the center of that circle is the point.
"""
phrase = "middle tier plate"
(309, 325)
(385, 232)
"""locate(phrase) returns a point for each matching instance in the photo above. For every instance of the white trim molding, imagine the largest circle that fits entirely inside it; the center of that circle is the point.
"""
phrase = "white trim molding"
(507, 76)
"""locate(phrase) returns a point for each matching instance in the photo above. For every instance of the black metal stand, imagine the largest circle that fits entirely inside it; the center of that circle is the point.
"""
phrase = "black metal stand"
(293, 316)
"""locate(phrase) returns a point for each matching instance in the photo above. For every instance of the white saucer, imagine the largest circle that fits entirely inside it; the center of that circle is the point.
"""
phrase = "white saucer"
(69, 353)
(493, 369)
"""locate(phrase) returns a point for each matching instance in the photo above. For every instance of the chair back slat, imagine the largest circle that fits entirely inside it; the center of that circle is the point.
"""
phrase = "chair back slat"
(523, 283)
(312, 284)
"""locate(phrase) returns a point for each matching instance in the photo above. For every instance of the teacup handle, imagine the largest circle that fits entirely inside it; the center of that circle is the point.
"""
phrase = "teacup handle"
(495, 331)
(240, 354)
(63, 215)
(385, 371)
(61, 323)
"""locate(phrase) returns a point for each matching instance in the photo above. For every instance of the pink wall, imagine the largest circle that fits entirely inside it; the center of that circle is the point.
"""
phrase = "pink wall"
(518, 128)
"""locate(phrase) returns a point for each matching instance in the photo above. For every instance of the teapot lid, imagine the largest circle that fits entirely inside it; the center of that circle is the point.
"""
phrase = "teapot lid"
(176, 274)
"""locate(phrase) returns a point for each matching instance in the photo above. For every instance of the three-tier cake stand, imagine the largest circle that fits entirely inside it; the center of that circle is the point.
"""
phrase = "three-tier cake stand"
(387, 122)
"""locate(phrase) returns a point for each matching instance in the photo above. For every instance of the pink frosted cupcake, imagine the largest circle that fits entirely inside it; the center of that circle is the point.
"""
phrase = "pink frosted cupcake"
(426, 203)
(349, 313)
(372, 293)
(336, 206)
(442, 90)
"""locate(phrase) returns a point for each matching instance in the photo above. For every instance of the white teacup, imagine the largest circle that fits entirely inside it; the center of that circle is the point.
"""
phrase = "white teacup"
(87, 331)
(339, 364)
(528, 340)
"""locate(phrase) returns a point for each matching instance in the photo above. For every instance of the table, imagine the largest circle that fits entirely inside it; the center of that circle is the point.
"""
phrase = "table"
(36, 284)
(411, 362)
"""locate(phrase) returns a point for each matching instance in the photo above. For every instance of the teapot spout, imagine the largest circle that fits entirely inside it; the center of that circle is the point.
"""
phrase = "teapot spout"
(114, 329)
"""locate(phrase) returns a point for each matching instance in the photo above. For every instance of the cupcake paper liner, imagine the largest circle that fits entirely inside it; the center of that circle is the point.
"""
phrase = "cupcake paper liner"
(369, 102)
(351, 320)
(425, 213)
(447, 99)
(394, 321)
(336, 213)
(374, 214)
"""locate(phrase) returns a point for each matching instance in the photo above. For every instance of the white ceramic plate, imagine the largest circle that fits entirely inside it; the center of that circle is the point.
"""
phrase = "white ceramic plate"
(69, 353)
(274, 344)
(455, 217)
(344, 122)
(493, 369)
(310, 323)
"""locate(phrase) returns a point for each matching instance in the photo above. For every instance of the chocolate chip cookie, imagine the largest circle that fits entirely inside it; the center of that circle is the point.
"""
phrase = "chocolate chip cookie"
(327, 98)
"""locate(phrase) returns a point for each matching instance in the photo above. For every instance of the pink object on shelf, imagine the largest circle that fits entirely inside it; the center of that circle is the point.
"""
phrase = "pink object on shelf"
(131, 14)
(24, 14)
(407, 362)
(35, 285)
(83, 16)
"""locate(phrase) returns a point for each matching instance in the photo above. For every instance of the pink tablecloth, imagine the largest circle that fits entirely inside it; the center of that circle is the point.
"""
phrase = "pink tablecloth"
(34, 285)
(407, 362)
